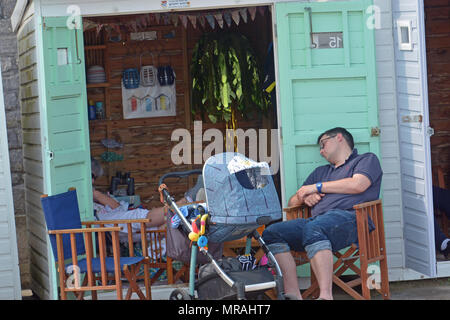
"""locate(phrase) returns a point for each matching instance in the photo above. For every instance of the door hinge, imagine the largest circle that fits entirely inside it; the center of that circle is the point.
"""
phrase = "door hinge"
(430, 131)
(275, 31)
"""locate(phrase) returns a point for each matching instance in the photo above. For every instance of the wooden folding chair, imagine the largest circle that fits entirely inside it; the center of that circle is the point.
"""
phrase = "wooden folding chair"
(70, 241)
(134, 270)
(438, 176)
(157, 259)
(371, 249)
(151, 249)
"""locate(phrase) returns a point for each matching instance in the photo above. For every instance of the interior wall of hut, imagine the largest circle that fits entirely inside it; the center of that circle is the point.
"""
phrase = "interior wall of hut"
(146, 142)
(437, 25)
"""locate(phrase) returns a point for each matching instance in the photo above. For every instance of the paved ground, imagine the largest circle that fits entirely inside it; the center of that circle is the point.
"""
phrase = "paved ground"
(427, 289)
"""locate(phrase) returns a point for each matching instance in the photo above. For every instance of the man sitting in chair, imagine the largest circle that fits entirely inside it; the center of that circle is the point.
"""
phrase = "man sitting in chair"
(331, 191)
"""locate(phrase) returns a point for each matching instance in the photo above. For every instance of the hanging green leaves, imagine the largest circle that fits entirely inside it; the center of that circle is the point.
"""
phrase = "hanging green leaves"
(225, 75)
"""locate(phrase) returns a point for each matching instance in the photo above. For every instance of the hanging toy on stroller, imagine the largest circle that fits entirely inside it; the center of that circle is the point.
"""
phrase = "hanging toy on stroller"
(240, 197)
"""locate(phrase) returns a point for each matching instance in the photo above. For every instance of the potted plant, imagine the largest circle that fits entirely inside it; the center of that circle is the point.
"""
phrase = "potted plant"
(225, 78)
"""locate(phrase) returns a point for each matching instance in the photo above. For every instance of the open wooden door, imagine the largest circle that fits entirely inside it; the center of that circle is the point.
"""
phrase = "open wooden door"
(64, 123)
(414, 135)
(66, 128)
(327, 78)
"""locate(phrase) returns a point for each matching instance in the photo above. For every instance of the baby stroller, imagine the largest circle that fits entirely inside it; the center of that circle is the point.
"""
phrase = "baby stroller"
(240, 197)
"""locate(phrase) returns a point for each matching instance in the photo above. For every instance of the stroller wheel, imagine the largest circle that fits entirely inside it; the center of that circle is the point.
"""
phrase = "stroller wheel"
(180, 294)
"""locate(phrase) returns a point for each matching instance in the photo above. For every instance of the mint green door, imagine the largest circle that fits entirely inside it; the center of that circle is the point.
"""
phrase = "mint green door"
(327, 78)
(65, 123)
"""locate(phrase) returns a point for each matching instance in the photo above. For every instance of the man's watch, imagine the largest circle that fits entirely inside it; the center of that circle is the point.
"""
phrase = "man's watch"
(319, 187)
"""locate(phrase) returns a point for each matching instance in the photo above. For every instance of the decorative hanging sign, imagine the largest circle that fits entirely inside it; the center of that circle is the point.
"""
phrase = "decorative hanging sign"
(175, 4)
(149, 102)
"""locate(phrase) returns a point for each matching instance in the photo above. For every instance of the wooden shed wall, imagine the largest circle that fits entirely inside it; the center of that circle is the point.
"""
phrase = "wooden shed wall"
(147, 142)
(437, 23)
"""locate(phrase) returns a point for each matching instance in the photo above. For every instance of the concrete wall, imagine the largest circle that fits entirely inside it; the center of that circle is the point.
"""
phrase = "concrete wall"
(10, 72)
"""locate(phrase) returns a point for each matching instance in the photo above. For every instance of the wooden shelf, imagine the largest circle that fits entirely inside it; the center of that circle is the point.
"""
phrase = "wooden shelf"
(95, 47)
(98, 85)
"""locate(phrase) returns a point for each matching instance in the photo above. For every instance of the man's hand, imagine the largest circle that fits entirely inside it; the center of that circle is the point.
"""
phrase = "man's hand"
(305, 191)
(312, 199)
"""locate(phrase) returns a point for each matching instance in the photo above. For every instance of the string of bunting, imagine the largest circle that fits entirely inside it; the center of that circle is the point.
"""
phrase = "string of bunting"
(213, 19)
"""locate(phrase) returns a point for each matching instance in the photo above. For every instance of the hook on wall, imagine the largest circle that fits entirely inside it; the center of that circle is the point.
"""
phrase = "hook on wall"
(309, 10)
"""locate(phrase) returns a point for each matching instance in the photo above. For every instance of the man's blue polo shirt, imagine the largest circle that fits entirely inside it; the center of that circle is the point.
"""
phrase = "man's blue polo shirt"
(366, 164)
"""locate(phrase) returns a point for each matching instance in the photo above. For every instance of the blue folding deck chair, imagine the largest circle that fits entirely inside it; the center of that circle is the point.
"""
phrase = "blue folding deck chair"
(66, 237)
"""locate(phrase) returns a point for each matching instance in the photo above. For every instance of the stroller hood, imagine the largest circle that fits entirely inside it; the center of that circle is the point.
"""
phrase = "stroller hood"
(239, 190)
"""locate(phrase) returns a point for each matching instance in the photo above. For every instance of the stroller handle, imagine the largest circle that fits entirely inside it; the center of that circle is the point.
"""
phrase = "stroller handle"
(178, 174)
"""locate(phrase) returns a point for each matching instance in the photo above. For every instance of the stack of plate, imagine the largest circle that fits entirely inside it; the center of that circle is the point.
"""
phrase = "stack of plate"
(96, 74)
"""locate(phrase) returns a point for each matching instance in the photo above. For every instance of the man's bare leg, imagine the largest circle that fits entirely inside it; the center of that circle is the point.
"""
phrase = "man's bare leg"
(322, 265)
(289, 269)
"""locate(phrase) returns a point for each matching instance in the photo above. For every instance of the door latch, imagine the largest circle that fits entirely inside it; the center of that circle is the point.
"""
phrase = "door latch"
(375, 132)
(430, 131)
(50, 155)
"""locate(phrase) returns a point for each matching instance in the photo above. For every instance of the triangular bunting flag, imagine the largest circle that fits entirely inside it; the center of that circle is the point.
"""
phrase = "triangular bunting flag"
(243, 13)
(166, 19)
(99, 28)
(252, 11)
(227, 18)
(88, 24)
(152, 18)
(157, 17)
(202, 21)
(262, 10)
(174, 18)
(184, 20)
(148, 20)
(235, 16)
(193, 20)
(219, 19)
(210, 20)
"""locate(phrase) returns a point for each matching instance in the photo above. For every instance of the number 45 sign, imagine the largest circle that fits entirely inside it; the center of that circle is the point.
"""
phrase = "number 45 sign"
(327, 40)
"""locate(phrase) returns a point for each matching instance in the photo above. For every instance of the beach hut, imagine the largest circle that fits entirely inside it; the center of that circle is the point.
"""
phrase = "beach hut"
(357, 64)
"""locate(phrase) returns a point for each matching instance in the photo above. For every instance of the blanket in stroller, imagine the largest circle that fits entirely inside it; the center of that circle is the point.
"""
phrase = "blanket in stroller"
(240, 196)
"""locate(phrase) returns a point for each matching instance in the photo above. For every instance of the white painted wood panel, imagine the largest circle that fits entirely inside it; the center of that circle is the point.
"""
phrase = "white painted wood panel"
(390, 154)
(10, 288)
(412, 101)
